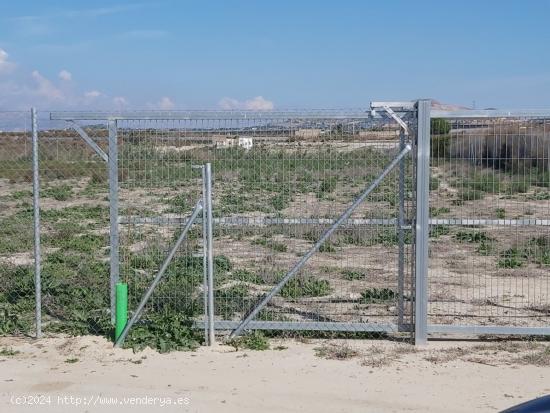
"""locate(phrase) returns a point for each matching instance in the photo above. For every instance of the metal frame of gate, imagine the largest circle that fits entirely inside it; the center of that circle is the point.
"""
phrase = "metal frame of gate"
(394, 110)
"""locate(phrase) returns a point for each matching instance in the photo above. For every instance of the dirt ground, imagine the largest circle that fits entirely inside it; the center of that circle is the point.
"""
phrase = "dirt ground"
(86, 374)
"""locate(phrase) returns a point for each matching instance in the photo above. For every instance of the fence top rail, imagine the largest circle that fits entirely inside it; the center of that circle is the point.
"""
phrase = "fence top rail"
(491, 113)
(359, 114)
(214, 115)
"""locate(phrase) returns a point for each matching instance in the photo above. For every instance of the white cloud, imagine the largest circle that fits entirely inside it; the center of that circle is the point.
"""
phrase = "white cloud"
(65, 75)
(228, 103)
(92, 94)
(120, 102)
(45, 88)
(5, 65)
(166, 103)
(257, 103)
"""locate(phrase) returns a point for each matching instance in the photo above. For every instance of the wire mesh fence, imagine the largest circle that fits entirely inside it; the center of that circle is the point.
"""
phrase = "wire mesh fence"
(490, 203)
(16, 225)
(278, 183)
(113, 212)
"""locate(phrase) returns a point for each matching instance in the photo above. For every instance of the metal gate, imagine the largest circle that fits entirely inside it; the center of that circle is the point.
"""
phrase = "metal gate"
(312, 216)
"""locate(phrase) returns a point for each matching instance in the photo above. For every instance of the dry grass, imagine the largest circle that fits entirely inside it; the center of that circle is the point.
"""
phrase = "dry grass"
(497, 353)
(336, 351)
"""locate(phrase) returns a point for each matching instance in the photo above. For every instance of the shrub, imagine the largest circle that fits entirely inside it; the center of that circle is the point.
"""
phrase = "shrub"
(164, 332)
(472, 236)
(511, 258)
(59, 193)
(467, 194)
(327, 185)
(247, 276)
(252, 341)
(378, 295)
(305, 287)
(353, 275)
(440, 126)
(232, 300)
(439, 147)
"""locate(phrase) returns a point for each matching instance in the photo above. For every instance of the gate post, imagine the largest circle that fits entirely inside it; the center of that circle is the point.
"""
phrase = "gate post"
(422, 222)
(401, 238)
(113, 212)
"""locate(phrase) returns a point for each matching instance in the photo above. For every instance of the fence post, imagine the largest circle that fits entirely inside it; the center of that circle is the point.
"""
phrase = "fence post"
(113, 212)
(36, 215)
(401, 236)
(422, 222)
(210, 258)
(205, 256)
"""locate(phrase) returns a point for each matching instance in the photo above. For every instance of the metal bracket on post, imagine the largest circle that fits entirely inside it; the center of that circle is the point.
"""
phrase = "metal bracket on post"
(36, 217)
(88, 140)
(160, 274)
(113, 212)
(320, 242)
(422, 222)
(387, 107)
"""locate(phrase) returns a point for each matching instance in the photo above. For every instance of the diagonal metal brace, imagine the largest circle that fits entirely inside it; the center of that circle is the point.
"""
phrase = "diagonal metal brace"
(387, 106)
(89, 140)
(395, 117)
(160, 274)
(318, 244)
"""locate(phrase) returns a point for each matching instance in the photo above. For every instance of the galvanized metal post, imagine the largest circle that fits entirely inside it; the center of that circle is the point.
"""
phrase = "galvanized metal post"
(210, 257)
(205, 257)
(422, 222)
(113, 212)
(401, 237)
(36, 215)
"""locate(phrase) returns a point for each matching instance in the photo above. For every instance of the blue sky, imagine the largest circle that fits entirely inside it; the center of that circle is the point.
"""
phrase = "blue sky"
(278, 54)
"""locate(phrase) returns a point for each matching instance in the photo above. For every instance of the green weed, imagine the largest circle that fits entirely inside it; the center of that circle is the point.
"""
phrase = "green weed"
(511, 258)
(8, 352)
(472, 236)
(252, 341)
(305, 287)
(353, 275)
(247, 276)
(165, 333)
(271, 244)
(378, 295)
(59, 193)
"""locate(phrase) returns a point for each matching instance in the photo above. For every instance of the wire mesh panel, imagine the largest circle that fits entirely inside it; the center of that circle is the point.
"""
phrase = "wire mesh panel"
(490, 214)
(16, 224)
(279, 182)
(159, 187)
(74, 228)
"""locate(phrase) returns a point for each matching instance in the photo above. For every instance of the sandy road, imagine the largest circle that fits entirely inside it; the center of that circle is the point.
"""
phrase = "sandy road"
(69, 373)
